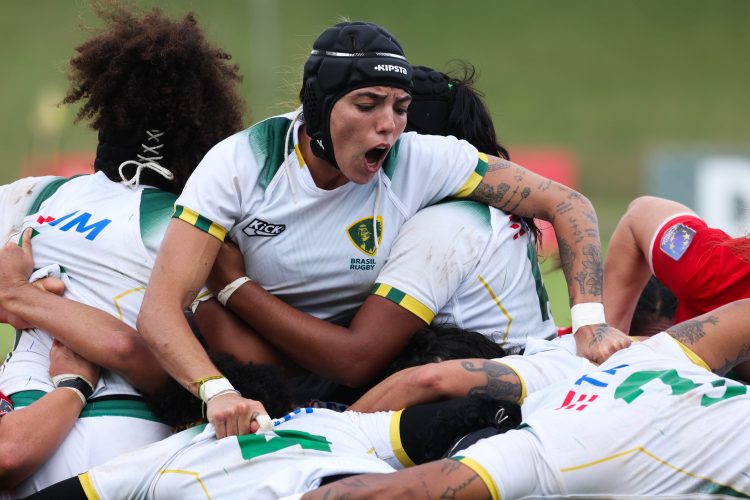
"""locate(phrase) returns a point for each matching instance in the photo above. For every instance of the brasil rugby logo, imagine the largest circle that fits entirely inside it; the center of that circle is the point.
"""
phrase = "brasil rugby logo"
(362, 235)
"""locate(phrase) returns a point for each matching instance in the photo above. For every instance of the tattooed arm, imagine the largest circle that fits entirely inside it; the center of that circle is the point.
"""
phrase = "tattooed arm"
(449, 379)
(721, 338)
(441, 479)
(512, 188)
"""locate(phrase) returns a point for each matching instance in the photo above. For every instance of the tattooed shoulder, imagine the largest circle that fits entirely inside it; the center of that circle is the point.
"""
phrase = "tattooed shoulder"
(691, 331)
(502, 383)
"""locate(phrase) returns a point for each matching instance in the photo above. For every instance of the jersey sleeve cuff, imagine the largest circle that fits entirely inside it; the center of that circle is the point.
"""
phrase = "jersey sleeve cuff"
(406, 301)
(197, 220)
(88, 486)
(395, 437)
(482, 473)
(474, 179)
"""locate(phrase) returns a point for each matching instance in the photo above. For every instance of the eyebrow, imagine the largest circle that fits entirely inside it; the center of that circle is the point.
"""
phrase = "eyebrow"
(381, 97)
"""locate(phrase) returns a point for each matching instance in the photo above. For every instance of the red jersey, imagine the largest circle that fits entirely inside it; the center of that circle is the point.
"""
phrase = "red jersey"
(689, 258)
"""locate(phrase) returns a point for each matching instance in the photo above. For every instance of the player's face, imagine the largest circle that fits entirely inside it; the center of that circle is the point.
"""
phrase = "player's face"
(365, 124)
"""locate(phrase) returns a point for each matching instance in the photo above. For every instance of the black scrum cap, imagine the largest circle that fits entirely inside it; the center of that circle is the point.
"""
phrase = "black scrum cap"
(347, 57)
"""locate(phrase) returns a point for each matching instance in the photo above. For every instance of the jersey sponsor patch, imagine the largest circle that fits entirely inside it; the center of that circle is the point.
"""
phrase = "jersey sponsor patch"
(676, 240)
(259, 227)
(5, 405)
(362, 235)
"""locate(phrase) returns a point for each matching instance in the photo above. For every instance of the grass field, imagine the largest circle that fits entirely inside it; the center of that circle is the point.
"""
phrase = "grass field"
(610, 82)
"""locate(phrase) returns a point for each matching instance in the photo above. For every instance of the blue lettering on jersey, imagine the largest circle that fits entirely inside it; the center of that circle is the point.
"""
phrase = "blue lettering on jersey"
(81, 224)
(588, 378)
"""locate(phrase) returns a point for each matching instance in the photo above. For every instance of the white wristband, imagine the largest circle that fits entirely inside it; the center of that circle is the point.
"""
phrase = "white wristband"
(227, 291)
(213, 387)
(586, 313)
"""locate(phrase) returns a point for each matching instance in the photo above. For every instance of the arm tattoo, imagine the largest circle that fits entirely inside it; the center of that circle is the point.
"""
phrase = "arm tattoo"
(563, 207)
(691, 331)
(576, 229)
(452, 492)
(498, 386)
(599, 333)
(491, 195)
(590, 278)
(729, 364)
(496, 163)
(544, 185)
(524, 194)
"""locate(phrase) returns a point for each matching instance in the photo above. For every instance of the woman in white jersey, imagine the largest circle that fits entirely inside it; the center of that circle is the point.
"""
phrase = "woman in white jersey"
(650, 422)
(159, 95)
(460, 263)
(315, 199)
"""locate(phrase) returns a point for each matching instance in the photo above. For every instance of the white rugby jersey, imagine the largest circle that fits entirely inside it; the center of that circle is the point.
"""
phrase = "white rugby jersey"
(649, 421)
(546, 362)
(16, 199)
(293, 458)
(311, 247)
(466, 264)
(105, 236)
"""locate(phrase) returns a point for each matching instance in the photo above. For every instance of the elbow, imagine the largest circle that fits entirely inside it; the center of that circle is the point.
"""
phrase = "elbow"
(125, 349)
(14, 466)
(356, 375)
(358, 371)
(431, 380)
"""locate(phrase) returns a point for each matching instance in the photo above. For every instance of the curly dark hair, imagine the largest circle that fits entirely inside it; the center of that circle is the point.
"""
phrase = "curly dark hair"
(145, 71)
(176, 406)
(440, 343)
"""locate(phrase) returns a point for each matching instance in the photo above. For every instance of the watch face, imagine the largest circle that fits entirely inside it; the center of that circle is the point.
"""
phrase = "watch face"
(5, 405)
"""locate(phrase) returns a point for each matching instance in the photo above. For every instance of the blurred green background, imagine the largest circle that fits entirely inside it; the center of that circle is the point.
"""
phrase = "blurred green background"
(608, 81)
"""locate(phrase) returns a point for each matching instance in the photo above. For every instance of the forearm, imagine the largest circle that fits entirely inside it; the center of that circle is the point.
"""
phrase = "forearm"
(30, 435)
(448, 379)
(97, 336)
(626, 272)
(512, 188)
(168, 335)
(185, 258)
(351, 356)
(440, 479)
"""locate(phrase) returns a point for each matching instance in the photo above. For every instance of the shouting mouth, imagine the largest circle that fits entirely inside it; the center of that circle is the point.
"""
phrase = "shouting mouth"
(375, 156)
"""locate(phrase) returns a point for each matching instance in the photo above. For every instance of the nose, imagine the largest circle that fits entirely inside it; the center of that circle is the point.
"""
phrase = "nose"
(386, 121)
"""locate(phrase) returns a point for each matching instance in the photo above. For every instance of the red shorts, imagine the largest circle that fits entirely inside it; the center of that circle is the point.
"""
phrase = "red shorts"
(688, 257)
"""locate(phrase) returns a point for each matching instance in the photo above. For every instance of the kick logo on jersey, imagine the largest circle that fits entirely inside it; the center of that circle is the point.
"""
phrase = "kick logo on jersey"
(362, 236)
(259, 227)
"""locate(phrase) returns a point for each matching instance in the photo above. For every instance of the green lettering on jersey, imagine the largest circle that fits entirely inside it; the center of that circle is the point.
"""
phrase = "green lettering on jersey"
(630, 389)
(255, 445)
(732, 390)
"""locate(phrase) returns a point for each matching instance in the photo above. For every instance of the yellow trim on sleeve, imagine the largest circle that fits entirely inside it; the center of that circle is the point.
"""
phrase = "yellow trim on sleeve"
(396, 444)
(474, 179)
(88, 486)
(520, 379)
(406, 301)
(483, 475)
(697, 360)
(195, 219)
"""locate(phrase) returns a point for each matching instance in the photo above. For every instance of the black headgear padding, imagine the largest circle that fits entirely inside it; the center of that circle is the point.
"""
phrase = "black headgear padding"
(430, 104)
(347, 57)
